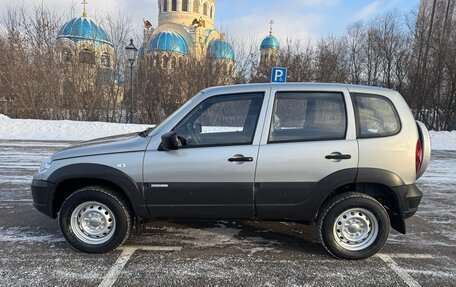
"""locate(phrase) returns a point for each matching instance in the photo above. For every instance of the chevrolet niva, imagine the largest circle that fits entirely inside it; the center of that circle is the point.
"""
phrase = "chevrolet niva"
(342, 156)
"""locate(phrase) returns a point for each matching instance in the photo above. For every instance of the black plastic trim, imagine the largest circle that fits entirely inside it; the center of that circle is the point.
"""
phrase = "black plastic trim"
(300, 201)
(410, 198)
(380, 176)
(43, 196)
(133, 191)
(407, 197)
(305, 200)
(200, 199)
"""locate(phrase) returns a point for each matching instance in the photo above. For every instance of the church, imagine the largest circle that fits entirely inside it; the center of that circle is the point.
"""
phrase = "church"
(89, 62)
(186, 28)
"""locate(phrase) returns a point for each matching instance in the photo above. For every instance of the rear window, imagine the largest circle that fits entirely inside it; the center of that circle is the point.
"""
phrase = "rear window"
(308, 116)
(375, 116)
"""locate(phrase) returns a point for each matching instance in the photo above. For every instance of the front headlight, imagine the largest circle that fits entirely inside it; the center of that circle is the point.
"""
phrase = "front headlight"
(45, 165)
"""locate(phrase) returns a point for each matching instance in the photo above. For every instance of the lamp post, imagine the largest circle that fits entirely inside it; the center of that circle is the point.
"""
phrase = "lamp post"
(131, 56)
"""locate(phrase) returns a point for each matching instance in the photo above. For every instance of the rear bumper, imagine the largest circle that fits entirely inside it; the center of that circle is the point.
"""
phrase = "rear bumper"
(43, 196)
(409, 199)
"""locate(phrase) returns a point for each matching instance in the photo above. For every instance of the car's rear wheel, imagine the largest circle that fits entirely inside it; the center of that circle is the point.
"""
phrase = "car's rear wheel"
(353, 226)
(95, 220)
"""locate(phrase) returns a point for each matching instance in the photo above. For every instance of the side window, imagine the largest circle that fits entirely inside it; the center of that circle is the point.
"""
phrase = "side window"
(308, 116)
(375, 116)
(221, 120)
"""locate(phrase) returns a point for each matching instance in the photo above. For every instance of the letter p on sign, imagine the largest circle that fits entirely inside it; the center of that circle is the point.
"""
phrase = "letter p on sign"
(279, 75)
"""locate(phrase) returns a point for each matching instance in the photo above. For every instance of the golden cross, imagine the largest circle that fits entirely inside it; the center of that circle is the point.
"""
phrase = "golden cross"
(270, 30)
(84, 12)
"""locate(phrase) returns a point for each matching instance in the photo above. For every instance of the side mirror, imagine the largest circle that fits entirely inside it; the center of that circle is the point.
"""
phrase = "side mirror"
(169, 142)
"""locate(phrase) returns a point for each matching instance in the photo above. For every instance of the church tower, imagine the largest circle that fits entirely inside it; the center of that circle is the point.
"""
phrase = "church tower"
(270, 48)
(184, 12)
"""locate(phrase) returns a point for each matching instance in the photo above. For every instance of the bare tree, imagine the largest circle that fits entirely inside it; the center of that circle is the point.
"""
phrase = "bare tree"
(37, 82)
(356, 39)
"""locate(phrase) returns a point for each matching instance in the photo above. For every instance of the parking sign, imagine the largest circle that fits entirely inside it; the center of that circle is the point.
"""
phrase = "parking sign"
(279, 75)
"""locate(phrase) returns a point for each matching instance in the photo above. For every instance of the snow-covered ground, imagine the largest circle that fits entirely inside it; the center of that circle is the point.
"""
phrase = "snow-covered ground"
(443, 140)
(18, 129)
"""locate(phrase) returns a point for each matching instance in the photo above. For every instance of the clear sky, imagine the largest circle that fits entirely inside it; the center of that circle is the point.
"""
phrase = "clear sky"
(302, 18)
(248, 19)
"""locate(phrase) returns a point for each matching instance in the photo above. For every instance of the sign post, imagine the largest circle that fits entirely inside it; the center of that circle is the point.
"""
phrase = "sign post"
(279, 75)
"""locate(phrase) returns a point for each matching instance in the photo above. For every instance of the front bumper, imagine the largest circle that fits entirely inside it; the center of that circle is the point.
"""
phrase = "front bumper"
(43, 196)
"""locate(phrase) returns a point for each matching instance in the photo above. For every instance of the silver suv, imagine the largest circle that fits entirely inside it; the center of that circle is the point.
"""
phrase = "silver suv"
(345, 157)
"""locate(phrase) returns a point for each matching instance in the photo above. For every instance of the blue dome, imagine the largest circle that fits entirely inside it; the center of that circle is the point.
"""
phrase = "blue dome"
(83, 28)
(270, 42)
(220, 49)
(168, 42)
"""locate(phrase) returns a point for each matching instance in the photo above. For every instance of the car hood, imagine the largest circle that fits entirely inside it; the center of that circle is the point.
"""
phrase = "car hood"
(109, 145)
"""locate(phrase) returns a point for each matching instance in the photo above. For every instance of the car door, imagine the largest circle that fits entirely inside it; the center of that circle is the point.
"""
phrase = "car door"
(211, 175)
(308, 148)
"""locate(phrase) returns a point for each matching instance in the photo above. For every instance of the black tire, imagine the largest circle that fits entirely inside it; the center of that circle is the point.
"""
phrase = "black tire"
(108, 206)
(357, 217)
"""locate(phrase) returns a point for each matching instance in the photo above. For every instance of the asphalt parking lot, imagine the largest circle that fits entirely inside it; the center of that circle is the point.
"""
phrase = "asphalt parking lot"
(222, 253)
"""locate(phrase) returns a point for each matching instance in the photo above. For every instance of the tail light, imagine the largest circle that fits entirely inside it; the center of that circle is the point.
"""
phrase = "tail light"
(418, 156)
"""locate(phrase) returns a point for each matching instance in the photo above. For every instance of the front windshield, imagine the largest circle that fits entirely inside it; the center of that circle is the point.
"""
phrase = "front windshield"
(159, 127)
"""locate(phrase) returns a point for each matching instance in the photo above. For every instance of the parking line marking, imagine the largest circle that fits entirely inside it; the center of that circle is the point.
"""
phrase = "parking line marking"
(127, 252)
(398, 270)
(412, 256)
(154, 248)
(117, 268)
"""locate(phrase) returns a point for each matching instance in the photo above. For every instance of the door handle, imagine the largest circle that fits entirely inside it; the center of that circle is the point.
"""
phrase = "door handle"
(338, 156)
(240, 158)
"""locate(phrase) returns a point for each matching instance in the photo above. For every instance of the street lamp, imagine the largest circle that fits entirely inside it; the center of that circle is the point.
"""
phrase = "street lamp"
(131, 56)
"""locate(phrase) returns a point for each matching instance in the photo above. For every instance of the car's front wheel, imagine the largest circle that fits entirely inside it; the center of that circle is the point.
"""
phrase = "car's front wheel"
(95, 220)
(353, 226)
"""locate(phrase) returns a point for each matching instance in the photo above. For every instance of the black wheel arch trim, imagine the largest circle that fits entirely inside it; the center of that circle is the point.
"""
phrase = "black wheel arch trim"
(380, 176)
(133, 192)
(334, 181)
(392, 181)
(324, 188)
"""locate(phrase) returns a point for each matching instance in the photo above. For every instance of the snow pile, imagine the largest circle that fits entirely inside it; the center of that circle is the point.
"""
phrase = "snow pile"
(3, 117)
(16, 129)
(443, 140)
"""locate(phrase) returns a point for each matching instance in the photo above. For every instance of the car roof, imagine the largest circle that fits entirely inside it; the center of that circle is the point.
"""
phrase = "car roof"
(263, 86)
